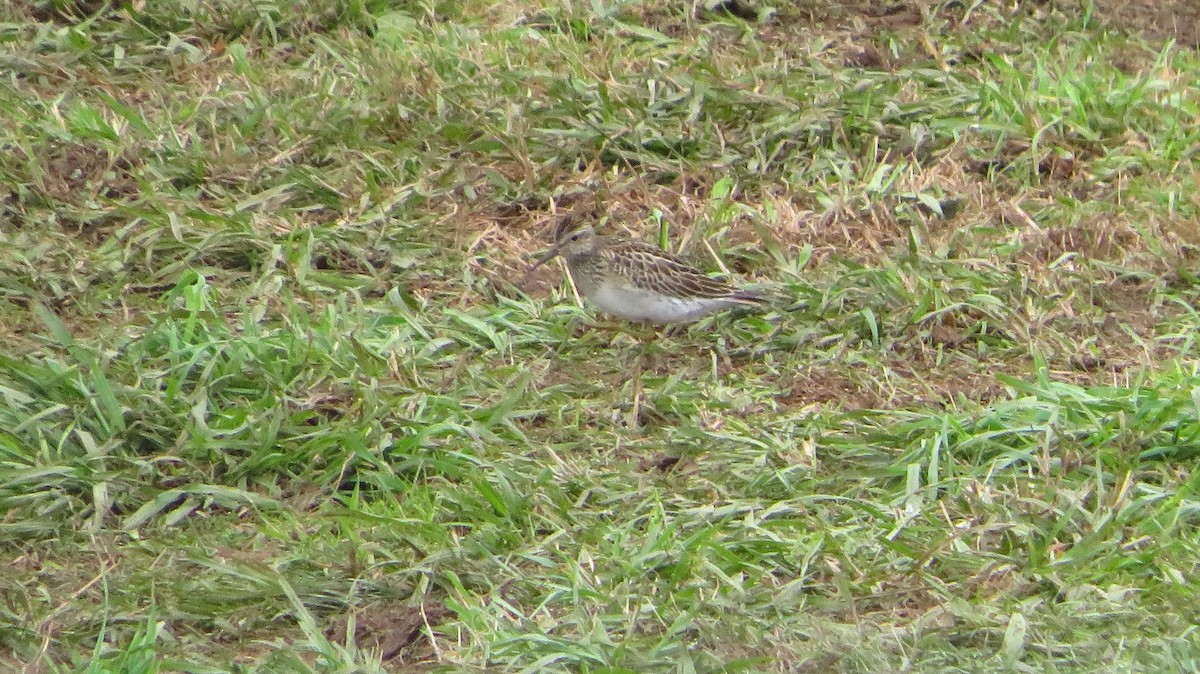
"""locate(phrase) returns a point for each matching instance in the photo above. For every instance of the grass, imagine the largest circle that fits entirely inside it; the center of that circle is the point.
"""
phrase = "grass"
(277, 399)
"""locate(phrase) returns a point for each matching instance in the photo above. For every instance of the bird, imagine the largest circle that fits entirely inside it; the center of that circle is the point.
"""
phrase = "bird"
(637, 281)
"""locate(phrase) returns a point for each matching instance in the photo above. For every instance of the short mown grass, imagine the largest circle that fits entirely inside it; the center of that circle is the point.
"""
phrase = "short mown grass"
(277, 395)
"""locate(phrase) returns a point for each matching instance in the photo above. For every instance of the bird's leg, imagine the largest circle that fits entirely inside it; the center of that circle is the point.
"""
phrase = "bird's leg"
(633, 421)
(674, 330)
(568, 335)
(646, 337)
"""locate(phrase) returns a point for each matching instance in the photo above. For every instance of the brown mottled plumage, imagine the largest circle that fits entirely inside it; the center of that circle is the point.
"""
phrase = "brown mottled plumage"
(640, 282)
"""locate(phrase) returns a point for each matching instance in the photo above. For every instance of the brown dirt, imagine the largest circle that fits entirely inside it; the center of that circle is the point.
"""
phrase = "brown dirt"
(65, 11)
(952, 380)
(74, 171)
(818, 386)
(1099, 239)
(397, 631)
(660, 461)
(858, 33)
(916, 375)
(1158, 20)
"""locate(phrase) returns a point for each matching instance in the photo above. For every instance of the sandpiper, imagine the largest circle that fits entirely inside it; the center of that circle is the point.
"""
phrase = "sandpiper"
(637, 281)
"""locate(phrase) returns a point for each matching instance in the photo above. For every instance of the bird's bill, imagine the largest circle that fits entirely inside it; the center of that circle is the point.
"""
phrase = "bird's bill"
(546, 257)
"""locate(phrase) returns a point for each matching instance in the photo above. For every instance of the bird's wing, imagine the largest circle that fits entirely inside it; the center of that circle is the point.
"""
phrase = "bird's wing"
(651, 267)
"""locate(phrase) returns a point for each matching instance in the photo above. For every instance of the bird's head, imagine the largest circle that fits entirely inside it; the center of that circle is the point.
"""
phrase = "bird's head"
(571, 242)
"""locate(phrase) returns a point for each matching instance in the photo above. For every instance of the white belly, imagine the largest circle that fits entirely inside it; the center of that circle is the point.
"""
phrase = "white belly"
(635, 304)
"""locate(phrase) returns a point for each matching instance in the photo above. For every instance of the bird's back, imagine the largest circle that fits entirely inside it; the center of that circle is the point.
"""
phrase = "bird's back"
(638, 281)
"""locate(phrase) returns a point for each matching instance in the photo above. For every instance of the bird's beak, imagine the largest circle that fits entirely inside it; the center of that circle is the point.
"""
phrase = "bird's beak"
(546, 257)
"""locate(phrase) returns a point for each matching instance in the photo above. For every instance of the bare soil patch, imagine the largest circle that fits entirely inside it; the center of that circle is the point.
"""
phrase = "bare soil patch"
(74, 171)
(397, 631)
(1163, 20)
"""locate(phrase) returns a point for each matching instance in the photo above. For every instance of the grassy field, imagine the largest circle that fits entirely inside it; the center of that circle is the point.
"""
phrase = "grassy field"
(276, 396)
